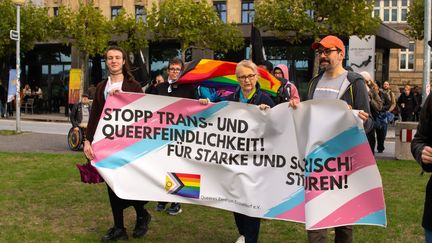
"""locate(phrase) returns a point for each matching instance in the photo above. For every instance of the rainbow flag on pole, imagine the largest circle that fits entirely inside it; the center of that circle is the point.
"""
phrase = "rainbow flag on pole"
(221, 74)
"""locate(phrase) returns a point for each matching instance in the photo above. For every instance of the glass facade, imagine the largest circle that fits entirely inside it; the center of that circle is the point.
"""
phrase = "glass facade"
(406, 58)
(247, 12)
(221, 9)
(391, 11)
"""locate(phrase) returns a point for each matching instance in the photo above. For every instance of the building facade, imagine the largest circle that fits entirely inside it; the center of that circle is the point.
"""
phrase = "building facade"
(405, 64)
(396, 65)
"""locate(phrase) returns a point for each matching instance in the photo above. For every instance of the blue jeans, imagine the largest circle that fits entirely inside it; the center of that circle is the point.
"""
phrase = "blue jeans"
(428, 236)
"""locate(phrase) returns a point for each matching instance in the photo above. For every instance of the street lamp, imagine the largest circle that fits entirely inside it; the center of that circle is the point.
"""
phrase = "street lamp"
(18, 4)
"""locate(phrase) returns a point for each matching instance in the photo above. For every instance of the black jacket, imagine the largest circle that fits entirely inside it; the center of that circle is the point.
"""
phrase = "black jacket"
(258, 98)
(177, 90)
(423, 138)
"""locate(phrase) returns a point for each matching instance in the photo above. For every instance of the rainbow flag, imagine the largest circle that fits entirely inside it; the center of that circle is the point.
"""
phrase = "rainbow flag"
(221, 74)
(185, 185)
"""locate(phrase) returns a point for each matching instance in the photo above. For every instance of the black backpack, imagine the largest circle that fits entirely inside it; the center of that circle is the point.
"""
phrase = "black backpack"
(284, 92)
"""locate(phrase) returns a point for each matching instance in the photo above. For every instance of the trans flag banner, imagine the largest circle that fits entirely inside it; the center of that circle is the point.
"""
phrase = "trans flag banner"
(311, 165)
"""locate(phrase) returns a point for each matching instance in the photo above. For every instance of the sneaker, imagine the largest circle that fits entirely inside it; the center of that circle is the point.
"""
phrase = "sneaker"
(174, 209)
(141, 226)
(115, 234)
(241, 239)
(160, 207)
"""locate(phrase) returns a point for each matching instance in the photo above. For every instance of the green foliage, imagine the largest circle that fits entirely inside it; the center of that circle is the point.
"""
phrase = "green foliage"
(34, 26)
(415, 19)
(294, 20)
(132, 33)
(194, 24)
(87, 28)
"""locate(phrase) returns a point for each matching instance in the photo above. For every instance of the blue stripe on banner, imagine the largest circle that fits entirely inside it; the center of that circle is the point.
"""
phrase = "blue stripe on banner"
(292, 202)
(345, 141)
(145, 146)
(378, 217)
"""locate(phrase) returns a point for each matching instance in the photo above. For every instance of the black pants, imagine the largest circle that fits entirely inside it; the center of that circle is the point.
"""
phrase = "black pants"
(371, 139)
(118, 205)
(248, 227)
(381, 134)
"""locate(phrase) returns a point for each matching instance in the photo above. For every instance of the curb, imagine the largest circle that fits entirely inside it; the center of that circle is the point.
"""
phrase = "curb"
(47, 119)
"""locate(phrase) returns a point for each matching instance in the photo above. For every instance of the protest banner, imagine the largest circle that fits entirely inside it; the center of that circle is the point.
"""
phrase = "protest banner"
(311, 165)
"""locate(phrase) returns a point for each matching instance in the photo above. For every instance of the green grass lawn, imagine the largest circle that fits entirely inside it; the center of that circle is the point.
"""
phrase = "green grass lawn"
(43, 200)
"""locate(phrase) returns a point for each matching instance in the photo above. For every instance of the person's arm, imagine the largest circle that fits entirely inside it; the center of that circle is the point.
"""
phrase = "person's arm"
(421, 144)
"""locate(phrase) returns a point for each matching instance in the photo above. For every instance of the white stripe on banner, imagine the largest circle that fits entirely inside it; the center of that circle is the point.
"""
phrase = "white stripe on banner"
(317, 209)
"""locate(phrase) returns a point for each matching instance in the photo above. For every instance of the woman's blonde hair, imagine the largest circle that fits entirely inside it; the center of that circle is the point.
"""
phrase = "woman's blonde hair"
(247, 64)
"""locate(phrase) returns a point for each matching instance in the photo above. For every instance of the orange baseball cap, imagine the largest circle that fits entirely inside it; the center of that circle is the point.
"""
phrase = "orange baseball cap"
(330, 41)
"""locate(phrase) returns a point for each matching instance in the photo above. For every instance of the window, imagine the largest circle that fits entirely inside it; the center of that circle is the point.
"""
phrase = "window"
(221, 10)
(391, 11)
(140, 13)
(55, 11)
(406, 60)
(248, 12)
(115, 11)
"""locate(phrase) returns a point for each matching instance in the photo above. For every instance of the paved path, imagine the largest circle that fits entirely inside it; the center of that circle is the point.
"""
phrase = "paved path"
(35, 142)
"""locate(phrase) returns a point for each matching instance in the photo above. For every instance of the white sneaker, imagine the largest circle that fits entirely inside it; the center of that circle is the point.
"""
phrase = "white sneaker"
(241, 239)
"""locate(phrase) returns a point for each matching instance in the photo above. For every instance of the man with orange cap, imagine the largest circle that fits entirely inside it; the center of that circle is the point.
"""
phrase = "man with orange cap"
(337, 83)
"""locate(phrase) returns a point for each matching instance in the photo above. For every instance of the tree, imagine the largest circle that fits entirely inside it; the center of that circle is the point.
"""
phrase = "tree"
(86, 29)
(33, 28)
(132, 33)
(295, 20)
(195, 24)
(415, 19)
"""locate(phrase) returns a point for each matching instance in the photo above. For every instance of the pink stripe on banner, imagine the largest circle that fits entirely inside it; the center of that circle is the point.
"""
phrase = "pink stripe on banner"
(362, 157)
(355, 208)
(295, 214)
(187, 106)
(127, 98)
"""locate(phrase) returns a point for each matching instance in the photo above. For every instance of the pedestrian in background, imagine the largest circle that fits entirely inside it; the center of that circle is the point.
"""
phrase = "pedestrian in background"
(392, 97)
(407, 104)
(375, 105)
(120, 79)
